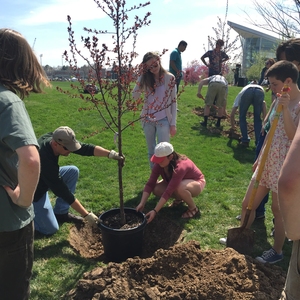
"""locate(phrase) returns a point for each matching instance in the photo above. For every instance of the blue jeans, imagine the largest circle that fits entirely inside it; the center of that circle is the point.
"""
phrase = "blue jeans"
(260, 211)
(252, 96)
(45, 221)
(159, 130)
(16, 259)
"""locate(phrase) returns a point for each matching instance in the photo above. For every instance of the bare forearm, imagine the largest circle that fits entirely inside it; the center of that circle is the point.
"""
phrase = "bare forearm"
(232, 115)
(264, 110)
(28, 174)
(289, 125)
(99, 151)
(76, 205)
(144, 199)
(160, 204)
(200, 87)
(289, 189)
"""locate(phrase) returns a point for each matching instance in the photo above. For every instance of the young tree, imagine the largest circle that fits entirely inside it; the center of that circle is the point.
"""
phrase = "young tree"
(114, 99)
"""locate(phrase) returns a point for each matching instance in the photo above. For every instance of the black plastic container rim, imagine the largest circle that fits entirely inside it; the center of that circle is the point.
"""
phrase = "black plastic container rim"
(100, 224)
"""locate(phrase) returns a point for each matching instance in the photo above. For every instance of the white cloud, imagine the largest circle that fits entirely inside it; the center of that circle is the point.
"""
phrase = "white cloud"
(58, 10)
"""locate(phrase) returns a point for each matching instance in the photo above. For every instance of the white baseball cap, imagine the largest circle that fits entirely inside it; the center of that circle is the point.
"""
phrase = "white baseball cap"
(161, 151)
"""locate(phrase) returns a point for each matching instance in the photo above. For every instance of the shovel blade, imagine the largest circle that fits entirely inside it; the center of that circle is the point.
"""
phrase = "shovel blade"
(240, 239)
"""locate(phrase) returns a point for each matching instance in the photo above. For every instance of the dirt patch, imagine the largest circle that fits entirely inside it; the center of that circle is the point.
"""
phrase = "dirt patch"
(170, 269)
(87, 241)
(225, 123)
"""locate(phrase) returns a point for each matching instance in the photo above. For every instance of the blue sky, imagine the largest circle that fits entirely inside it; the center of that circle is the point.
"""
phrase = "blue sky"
(45, 22)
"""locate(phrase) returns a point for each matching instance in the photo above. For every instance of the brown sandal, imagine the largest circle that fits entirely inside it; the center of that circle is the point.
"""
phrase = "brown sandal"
(191, 213)
(176, 203)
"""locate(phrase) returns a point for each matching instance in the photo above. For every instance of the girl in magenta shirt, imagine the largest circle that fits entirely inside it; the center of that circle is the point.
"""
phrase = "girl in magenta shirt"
(181, 179)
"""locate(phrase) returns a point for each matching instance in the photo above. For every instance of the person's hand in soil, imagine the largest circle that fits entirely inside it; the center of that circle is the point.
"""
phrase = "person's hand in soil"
(140, 207)
(150, 215)
(92, 219)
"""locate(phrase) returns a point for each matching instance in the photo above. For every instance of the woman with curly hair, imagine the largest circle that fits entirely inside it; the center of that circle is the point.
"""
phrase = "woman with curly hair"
(181, 179)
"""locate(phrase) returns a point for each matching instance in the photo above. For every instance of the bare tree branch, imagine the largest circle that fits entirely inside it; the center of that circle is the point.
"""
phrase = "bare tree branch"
(279, 17)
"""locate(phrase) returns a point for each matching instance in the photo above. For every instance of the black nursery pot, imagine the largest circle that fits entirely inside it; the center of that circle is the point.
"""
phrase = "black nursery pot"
(120, 244)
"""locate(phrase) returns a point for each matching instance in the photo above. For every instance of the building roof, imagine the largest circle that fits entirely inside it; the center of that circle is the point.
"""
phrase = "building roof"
(247, 32)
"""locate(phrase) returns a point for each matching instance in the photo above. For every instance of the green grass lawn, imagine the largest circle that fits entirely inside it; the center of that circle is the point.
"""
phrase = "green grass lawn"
(225, 164)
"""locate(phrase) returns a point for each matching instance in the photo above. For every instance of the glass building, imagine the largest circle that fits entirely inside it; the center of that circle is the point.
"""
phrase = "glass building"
(254, 41)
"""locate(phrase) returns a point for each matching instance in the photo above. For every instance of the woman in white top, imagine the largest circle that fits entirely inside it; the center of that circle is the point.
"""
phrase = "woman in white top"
(160, 108)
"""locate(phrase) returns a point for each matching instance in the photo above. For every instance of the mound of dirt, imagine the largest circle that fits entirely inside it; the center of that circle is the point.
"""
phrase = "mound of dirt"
(169, 269)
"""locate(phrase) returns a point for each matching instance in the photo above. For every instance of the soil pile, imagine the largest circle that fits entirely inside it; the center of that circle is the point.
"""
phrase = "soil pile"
(169, 269)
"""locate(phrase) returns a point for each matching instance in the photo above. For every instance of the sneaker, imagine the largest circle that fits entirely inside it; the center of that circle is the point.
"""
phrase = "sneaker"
(223, 241)
(68, 218)
(270, 256)
(203, 124)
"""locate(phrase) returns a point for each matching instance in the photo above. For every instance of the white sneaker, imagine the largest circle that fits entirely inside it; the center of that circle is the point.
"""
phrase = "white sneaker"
(223, 241)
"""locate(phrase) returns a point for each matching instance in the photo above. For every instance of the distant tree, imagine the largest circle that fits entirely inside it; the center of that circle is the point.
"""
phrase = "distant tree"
(195, 72)
(49, 70)
(259, 59)
(279, 16)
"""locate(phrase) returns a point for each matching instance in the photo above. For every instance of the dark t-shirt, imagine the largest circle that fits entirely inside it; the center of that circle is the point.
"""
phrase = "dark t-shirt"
(215, 61)
(49, 177)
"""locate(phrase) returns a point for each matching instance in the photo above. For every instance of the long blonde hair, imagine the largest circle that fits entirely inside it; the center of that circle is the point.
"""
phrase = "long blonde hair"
(20, 71)
(147, 78)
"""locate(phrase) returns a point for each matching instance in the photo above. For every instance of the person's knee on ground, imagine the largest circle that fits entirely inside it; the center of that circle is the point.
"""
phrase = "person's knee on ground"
(49, 230)
(45, 221)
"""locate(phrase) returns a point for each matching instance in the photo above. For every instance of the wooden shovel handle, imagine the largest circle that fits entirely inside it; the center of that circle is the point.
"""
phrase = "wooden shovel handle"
(265, 152)
(264, 156)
